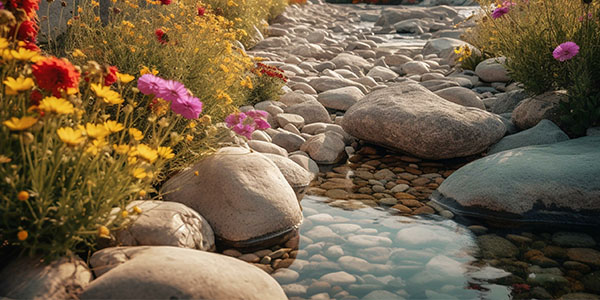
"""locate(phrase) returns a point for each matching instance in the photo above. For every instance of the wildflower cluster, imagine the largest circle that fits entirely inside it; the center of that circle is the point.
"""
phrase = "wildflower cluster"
(268, 81)
(549, 45)
(246, 123)
(19, 20)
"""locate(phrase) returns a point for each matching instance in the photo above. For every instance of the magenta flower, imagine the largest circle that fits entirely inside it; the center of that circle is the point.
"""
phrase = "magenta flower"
(565, 51)
(188, 107)
(246, 123)
(149, 84)
(172, 90)
(500, 11)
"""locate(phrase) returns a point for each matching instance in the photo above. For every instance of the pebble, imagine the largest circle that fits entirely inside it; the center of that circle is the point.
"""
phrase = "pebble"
(285, 275)
(338, 278)
(249, 257)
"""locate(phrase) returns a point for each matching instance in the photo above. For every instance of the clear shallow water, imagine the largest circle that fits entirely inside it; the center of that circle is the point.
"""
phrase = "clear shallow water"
(371, 253)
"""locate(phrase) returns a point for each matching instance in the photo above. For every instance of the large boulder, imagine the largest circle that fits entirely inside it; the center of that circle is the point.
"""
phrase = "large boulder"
(555, 183)
(163, 272)
(298, 177)
(164, 223)
(410, 118)
(243, 195)
(532, 110)
(543, 133)
(33, 278)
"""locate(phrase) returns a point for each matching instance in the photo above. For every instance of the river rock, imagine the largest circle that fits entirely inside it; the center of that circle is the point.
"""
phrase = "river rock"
(164, 223)
(507, 102)
(228, 185)
(342, 98)
(32, 278)
(409, 118)
(461, 96)
(266, 147)
(176, 273)
(312, 111)
(346, 59)
(326, 83)
(325, 148)
(543, 133)
(492, 70)
(535, 109)
(289, 141)
(382, 72)
(298, 177)
(547, 183)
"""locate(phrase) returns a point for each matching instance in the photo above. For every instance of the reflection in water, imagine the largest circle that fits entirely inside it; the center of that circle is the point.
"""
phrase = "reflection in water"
(368, 253)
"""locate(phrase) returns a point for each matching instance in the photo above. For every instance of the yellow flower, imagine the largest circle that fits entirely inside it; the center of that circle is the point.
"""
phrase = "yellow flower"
(13, 86)
(22, 235)
(136, 134)
(24, 54)
(78, 53)
(104, 232)
(70, 136)
(57, 105)
(96, 147)
(125, 78)
(3, 43)
(121, 149)
(97, 131)
(165, 152)
(23, 195)
(113, 126)
(136, 208)
(139, 173)
(4, 159)
(145, 70)
(147, 153)
(124, 214)
(109, 96)
(19, 124)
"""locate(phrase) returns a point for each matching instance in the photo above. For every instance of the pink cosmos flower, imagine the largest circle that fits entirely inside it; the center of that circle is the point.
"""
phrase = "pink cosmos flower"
(172, 90)
(234, 119)
(256, 114)
(246, 123)
(500, 11)
(188, 107)
(565, 51)
(245, 130)
(149, 84)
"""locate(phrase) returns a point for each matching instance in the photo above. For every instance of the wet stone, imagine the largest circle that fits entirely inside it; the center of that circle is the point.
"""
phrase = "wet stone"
(250, 257)
(573, 239)
(585, 255)
(285, 275)
(493, 246)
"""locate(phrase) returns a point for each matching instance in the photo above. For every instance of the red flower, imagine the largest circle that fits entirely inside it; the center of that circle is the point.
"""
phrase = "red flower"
(165, 2)
(32, 46)
(29, 6)
(36, 97)
(161, 36)
(55, 75)
(201, 11)
(28, 31)
(111, 76)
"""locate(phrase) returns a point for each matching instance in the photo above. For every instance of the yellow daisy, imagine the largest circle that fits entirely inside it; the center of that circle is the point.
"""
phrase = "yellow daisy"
(56, 105)
(19, 124)
(113, 126)
(165, 152)
(13, 86)
(70, 136)
(109, 96)
(147, 153)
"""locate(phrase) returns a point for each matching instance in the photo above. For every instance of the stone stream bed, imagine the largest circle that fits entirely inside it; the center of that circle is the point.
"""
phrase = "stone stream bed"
(371, 232)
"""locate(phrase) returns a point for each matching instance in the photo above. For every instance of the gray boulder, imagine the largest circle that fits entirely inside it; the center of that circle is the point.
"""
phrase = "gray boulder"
(555, 183)
(312, 111)
(33, 278)
(535, 109)
(162, 272)
(507, 102)
(461, 96)
(243, 195)
(409, 118)
(342, 98)
(325, 148)
(164, 223)
(543, 133)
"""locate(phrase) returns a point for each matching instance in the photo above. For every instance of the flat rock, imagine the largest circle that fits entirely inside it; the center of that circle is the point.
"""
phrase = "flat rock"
(162, 272)
(164, 223)
(312, 111)
(243, 195)
(338, 278)
(409, 118)
(545, 132)
(542, 184)
(32, 278)
(342, 98)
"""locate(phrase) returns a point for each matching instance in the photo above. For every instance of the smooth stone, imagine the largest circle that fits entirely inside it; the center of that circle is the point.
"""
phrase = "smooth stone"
(325, 83)
(267, 147)
(585, 255)
(345, 228)
(492, 70)
(395, 116)
(346, 59)
(292, 290)
(312, 111)
(354, 265)
(306, 162)
(381, 294)
(342, 98)
(547, 280)
(591, 282)
(285, 275)
(375, 254)
(334, 252)
(161, 272)
(461, 96)
(422, 236)
(165, 223)
(520, 184)
(493, 246)
(507, 102)
(232, 182)
(533, 110)
(382, 72)
(325, 148)
(414, 68)
(322, 233)
(573, 239)
(369, 241)
(545, 132)
(33, 278)
(297, 177)
(286, 118)
(444, 48)
(289, 141)
(338, 278)
(294, 98)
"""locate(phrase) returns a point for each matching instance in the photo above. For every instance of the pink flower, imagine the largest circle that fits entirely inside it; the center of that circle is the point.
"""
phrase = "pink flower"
(201, 11)
(246, 123)
(565, 51)
(149, 84)
(261, 124)
(245, 130)
(172, 90)
(257, 114)
(234, 119)
(188, 107)
(500, 11)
